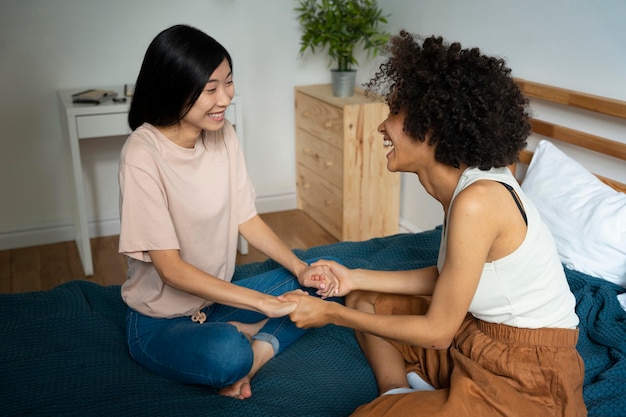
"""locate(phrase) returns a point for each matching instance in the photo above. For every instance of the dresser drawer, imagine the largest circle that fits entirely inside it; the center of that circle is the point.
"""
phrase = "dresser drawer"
(321, 195)
(320, 119)
(323, 159)
(102, 125)
(342, 177)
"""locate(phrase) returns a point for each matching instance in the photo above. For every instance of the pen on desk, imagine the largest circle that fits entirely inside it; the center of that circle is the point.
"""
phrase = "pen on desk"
(82, 92)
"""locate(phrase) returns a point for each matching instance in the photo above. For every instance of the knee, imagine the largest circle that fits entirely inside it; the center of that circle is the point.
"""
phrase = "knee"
(361, 300)
(229, 361)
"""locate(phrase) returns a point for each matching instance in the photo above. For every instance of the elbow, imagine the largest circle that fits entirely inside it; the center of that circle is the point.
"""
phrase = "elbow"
(168, 277)
(169, 269)
(441, 343)
(440, 338)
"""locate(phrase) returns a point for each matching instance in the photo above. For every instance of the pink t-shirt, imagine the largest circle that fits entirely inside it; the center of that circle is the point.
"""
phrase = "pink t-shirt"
(177, 198)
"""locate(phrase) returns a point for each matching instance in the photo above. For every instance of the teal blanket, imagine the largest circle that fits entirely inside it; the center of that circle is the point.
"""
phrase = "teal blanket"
(601, 343)
(63, 352)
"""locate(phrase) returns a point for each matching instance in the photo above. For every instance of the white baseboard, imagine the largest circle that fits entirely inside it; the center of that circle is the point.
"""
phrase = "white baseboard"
(276, 202)
(44, 234)
(54, 233)
(39, 235)
(406, 227)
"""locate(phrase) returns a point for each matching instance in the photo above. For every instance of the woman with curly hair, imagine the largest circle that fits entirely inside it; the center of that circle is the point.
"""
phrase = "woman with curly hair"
(491, 329)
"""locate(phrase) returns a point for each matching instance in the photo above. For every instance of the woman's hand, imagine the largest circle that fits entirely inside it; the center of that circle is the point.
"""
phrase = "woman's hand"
(339, 272)
(320, 276)
(309, 312)
(275, 307)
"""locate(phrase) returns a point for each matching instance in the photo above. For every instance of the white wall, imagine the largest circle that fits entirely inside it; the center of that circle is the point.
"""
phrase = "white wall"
(575, 44)
(46, 45)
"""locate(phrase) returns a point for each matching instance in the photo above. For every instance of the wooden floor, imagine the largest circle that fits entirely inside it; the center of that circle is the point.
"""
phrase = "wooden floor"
(44, 267)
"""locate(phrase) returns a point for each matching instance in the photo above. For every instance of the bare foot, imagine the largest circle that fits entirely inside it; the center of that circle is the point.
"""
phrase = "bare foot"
(262, 352)
(249, 329)
(240, 389)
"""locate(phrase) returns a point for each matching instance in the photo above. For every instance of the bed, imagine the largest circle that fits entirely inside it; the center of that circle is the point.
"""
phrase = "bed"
(63, 351)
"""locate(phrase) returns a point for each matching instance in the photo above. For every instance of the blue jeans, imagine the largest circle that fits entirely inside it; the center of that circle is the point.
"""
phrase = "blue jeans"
(213, 353)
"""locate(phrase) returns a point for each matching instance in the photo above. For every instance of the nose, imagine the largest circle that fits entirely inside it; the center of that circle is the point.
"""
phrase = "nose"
(225, 96)
(381, 127)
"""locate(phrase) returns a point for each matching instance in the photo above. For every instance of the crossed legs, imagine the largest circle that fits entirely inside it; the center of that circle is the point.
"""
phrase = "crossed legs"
(385, 360)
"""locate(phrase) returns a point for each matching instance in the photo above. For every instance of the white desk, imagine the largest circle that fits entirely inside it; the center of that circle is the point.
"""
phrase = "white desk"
(109, 119)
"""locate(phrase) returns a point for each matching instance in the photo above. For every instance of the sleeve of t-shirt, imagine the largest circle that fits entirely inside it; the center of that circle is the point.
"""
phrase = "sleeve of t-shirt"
(145, 222)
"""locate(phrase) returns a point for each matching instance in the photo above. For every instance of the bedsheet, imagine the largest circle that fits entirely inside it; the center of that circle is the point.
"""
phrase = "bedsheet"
(63, 351)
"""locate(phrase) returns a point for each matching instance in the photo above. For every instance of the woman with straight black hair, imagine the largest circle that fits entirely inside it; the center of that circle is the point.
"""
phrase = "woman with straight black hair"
(174, 73)
(185, 194)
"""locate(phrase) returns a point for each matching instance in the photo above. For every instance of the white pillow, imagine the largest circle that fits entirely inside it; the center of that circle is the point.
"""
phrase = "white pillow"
(586, 216)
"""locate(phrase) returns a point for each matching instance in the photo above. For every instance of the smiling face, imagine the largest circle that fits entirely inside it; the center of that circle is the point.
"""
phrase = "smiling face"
(405, 153)
(207, 113)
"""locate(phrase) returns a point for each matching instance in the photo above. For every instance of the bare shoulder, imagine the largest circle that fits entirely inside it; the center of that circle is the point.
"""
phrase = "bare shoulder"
(483, 208)
(478, 198)
(487, 210)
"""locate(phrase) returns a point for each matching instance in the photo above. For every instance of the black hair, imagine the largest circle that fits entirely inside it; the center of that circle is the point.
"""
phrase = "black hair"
(175, 70)
(465, 103)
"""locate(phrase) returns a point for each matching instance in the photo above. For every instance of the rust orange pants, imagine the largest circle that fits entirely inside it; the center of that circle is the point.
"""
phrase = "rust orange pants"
(489, 370)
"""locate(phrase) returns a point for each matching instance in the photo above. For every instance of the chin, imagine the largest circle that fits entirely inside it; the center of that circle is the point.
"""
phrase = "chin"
(215, 126)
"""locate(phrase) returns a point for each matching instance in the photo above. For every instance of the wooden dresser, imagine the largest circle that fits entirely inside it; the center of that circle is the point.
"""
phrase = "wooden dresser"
(342, 177)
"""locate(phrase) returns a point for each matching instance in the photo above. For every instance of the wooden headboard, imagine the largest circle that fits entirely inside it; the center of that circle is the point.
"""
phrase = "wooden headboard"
(588, 102)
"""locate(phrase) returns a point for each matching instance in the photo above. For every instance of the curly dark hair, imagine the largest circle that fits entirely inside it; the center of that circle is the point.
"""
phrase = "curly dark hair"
(466, 104)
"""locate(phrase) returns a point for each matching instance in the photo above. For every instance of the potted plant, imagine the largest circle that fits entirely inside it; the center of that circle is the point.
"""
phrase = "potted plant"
(340, 26)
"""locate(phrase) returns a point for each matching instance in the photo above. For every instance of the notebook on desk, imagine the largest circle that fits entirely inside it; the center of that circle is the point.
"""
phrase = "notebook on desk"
(93, 96)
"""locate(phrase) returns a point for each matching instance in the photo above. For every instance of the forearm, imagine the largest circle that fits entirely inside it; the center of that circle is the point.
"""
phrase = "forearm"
(410, 330)
(414, 282)
(185, 277)
(262, 237)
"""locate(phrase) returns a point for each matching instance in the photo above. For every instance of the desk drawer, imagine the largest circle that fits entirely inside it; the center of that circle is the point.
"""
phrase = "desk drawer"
(101, 125)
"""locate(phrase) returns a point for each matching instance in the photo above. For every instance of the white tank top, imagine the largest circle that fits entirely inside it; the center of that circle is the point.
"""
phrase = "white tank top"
(526, 288)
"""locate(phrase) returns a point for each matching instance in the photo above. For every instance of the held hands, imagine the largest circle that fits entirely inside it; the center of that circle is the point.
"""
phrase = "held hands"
(332, 279)
(324, 275)
(277, 307)
(309, 312)
(341, 275)
(319, 275)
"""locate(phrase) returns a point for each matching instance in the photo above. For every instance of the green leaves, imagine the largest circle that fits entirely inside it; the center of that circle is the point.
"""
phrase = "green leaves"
(340, 26)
